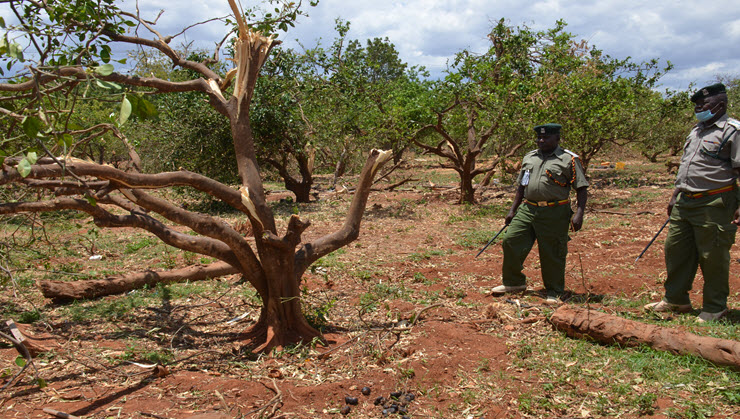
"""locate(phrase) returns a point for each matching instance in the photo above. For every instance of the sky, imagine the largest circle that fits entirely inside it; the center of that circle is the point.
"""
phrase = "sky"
(700, 38)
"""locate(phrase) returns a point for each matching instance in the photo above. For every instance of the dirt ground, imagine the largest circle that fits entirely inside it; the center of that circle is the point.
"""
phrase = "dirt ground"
(433, 332)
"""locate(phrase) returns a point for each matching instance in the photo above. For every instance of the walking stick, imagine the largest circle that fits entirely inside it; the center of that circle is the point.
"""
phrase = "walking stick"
(653, 240)
(491, 241)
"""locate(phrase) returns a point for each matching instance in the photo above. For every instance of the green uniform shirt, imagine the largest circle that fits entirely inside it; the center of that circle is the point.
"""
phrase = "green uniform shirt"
(704, 164)
(550, 177)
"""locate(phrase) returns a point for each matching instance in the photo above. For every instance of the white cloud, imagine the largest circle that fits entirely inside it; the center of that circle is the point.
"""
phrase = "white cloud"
(697, 36)
(732, 29)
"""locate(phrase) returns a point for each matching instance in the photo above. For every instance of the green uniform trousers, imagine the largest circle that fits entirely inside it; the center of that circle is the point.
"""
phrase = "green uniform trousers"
(700, 234)
(549, 227)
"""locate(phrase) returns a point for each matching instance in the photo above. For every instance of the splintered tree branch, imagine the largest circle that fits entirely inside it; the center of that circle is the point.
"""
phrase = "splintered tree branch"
(310, 252)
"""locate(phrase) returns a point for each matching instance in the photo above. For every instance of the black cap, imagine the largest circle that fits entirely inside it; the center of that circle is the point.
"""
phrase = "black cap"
(708, 91)
(548, 129)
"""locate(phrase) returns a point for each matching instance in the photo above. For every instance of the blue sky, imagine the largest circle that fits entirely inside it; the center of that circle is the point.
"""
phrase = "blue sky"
(699, 37)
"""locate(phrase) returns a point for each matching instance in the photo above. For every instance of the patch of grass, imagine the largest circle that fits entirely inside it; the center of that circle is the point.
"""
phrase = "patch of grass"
(633, 378)
(426, 255)
(317, 315)
(492, 212)
(476, 238)
(136, 353)
(133, 247)
(330, 260)
(381, 292)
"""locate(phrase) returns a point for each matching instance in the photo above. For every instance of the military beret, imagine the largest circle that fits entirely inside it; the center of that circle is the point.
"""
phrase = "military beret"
(548, 129)
(708, 91)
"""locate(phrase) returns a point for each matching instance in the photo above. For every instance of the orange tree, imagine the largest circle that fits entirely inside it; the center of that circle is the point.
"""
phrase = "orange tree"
(481, 97)
(602, 100)
(61, 54)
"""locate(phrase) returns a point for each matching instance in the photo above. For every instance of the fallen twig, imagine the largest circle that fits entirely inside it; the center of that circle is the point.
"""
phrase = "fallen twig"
(29, 360)
(59, 414)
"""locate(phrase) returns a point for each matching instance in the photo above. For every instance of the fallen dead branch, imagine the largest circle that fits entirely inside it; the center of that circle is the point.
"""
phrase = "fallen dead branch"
(396, 185)
(609, 329)
(88, 289)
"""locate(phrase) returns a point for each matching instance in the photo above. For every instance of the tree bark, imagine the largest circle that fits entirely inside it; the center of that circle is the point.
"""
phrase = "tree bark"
(609, 329)
(89, 289)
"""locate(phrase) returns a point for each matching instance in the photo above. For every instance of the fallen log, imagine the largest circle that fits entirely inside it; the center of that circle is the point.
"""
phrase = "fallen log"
(609, 329)
(88, 289)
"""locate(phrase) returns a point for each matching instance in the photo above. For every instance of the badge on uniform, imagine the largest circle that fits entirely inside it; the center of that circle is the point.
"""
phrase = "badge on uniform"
(525, 178)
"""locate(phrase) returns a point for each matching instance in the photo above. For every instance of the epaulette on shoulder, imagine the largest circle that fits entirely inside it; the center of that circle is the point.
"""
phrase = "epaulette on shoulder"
(733, 122)
(570, 153)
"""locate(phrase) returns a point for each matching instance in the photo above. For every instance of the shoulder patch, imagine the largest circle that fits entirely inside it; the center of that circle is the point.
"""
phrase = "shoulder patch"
(733, 122)
(570, 153)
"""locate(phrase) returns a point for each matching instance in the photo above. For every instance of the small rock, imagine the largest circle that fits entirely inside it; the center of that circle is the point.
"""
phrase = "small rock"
(365, 390)
(350, 400)
(345, 410)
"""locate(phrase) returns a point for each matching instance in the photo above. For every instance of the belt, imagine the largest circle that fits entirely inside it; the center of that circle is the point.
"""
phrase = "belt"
(710, 192)
(547, 203)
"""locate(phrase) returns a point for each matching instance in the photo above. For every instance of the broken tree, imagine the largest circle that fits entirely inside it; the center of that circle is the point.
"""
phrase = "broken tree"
(43, 98)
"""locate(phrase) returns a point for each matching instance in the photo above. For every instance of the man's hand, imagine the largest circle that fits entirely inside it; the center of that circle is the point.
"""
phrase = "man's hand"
(670, 206)
(577, 221)
(672, 202)
(509, 217)
(736, 219)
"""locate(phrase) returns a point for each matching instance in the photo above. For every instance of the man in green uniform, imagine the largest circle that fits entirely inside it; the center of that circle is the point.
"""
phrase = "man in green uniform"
(703, 210)
(544, 184)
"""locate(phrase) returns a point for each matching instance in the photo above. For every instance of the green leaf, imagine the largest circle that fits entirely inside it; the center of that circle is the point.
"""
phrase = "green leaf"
(32, 157)
(20, 361)
(24, 167)
(107, 85)
(32, 126)
(91, 200)
(15, 51)
(104, 70)
(125, 111)
(42, 383)
(66, 140)
(142, 108)
(105, 54)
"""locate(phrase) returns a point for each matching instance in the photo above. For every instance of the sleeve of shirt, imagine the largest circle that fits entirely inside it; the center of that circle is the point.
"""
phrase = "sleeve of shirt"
(521, 172)
(581, 180)
(734, 142)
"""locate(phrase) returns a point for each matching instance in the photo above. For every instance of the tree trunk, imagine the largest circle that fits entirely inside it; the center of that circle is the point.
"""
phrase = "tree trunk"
(89, 289)
(302, 190)
(609, 329)
(467, 192)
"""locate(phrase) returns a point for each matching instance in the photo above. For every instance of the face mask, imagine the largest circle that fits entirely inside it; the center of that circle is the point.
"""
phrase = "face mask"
(704, 115)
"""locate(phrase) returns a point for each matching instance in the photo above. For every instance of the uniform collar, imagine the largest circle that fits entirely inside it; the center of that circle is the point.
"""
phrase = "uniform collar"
(558, 150)
(720, 123)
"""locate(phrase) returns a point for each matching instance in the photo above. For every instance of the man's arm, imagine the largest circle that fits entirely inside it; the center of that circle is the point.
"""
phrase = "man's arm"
(515, 205)
(581, 198)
